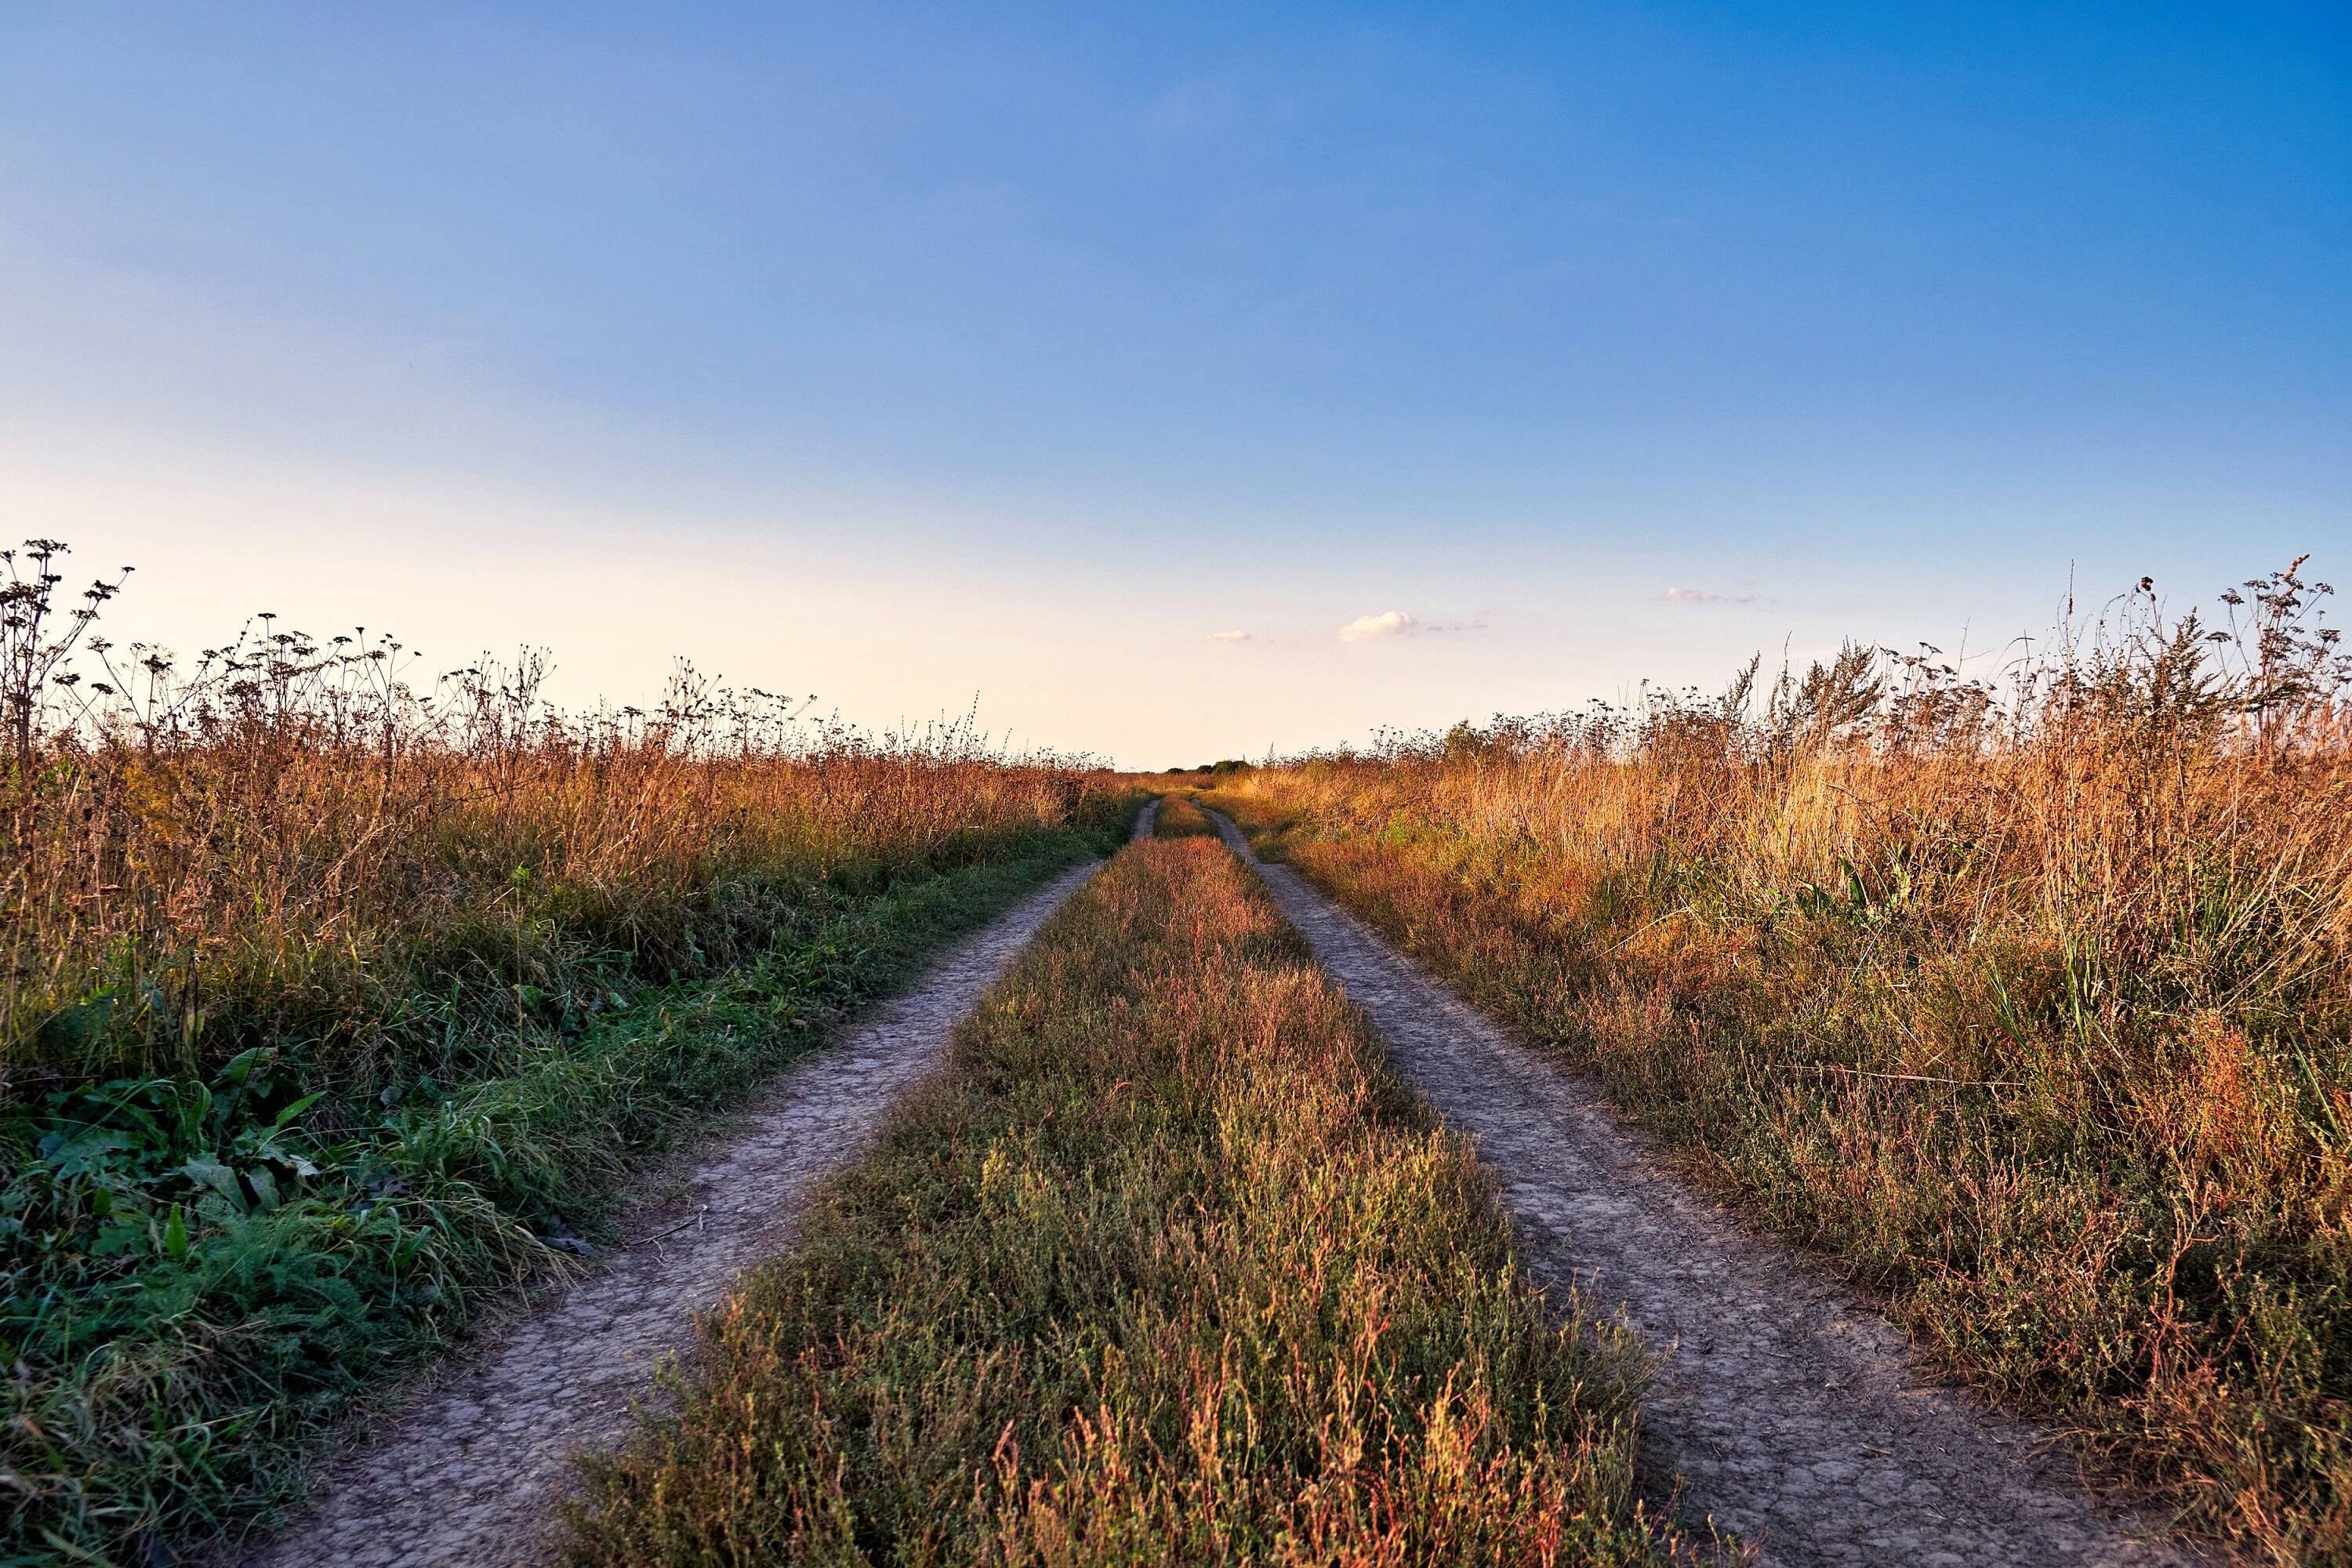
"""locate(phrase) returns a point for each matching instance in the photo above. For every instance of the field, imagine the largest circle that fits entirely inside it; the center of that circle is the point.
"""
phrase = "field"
(337, 1005)
(348, 1013)
(1166, 1270)
(2029, 1003)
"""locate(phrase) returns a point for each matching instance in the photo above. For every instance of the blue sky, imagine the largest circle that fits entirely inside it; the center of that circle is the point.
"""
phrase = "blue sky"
(907, 355)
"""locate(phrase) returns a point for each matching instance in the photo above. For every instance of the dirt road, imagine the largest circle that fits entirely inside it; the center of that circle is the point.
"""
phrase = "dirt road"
(1797, 1415)
(466, 1475)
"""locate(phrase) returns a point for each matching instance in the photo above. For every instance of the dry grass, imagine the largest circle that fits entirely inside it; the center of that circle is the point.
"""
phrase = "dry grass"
(1180, 819)
(2033, 1004)
(1167, 1270)
(334, 1002)
(295, 839)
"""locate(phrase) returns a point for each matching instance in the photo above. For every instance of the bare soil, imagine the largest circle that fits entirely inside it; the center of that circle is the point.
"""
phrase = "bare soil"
(1796, 1415)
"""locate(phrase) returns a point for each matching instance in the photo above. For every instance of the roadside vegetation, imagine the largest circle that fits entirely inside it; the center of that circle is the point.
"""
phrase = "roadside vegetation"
(1165, 1268)
(1180, 818)
(2027, 998)
(336, 1000)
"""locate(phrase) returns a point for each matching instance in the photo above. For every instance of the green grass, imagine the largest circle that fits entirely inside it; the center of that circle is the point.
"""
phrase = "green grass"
(201, 1276)
(1167, 1269)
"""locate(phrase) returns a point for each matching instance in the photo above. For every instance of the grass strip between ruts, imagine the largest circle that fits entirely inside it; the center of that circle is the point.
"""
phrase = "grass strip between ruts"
(1166, 1268)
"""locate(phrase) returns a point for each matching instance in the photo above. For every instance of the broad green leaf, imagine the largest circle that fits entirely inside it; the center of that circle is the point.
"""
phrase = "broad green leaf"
(211, 1174)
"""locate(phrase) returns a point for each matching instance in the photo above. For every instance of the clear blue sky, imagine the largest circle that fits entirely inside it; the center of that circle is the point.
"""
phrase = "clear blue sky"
(903, 355)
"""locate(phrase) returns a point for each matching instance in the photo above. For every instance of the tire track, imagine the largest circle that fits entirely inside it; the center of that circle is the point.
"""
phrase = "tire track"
(1795, 1414)
(467, 1474)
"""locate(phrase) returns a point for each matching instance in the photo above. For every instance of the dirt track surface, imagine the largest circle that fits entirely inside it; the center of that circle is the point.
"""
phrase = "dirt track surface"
(1797, 1415)
(467, 1474)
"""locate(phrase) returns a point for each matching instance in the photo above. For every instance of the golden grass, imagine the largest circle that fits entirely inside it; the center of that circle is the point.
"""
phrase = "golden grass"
(333, 1004)
(2035, 1006)
(1180, 819)
(1168, 1269)
(299, 843)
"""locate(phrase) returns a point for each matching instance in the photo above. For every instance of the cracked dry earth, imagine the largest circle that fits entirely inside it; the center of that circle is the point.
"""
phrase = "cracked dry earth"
(465, 1476)
(1797, 1415)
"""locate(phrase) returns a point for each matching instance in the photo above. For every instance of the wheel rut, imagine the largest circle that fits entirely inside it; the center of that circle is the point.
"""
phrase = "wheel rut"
(1796, 1415)
(466, 1475)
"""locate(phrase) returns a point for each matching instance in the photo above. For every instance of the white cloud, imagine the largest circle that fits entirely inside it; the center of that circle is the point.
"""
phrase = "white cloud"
(1391, 623)
(1705, 597)
(1227, 637)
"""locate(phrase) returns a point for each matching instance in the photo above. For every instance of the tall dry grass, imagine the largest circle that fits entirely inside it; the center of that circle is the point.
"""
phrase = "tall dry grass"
(301, 836)
(334, 999)
(2030, 998)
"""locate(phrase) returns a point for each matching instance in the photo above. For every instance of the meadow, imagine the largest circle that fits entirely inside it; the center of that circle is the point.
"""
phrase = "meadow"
(338, 999)
(1167, 1267)
(345, 1005)
(2025, 1000)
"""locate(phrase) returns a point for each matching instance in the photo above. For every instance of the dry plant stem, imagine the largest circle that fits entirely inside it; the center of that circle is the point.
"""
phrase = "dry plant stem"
(466, 1476)
(1792, 1411)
